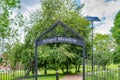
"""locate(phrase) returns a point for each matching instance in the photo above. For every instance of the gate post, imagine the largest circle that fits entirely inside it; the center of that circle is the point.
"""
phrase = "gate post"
(36, 61)
(83, 59)
(57, 75)
(118, 72)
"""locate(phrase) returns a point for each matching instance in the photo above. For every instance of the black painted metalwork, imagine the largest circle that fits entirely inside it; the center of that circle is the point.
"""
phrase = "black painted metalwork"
(53, 37)
(36, 61)
(57, 75)
(92, 19)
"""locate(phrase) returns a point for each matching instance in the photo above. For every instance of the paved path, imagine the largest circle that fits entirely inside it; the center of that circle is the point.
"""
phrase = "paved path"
(72, 77)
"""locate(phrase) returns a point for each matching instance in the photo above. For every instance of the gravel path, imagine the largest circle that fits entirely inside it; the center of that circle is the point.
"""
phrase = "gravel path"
(72, 77)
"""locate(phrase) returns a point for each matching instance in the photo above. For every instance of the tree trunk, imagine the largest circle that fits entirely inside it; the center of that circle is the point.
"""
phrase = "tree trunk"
(75, 68)
(78, 68)
(104, 67)
(63, 69)
(45, 70)
(98, 66)
(67, 68)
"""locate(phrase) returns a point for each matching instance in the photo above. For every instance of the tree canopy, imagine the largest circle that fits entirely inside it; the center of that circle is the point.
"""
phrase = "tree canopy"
(6, 7)
(103, 45)
(50, 12)
(115, 32)
(116, 28)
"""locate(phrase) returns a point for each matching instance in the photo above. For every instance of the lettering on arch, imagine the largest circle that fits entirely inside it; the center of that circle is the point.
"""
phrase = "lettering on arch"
(61, 39)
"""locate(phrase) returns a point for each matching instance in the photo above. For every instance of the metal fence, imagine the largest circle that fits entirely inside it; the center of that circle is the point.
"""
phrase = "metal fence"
(102, 74)
(109, 74)
(98, 74)
(19, 74)
(11, 74)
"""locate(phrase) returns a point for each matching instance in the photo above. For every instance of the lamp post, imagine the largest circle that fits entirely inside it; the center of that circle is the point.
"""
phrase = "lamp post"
(92, 19)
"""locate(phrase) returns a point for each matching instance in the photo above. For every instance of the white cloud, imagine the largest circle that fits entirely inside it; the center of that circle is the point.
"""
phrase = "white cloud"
(30, 9)
(25, 10)
(101, 9)
(98, 8)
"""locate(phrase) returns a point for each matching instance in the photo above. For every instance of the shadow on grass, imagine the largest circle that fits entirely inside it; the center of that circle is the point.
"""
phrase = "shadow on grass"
(45, 77)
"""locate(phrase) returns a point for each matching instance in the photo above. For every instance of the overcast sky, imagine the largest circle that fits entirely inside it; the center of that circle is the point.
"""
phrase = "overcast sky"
(104, 9)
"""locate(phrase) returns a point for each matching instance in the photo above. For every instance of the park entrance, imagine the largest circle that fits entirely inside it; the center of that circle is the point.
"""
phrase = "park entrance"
(59, 33)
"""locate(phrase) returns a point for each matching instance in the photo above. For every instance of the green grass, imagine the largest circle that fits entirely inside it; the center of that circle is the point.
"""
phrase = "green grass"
(46, 77)
(13, 75)
(113, 66)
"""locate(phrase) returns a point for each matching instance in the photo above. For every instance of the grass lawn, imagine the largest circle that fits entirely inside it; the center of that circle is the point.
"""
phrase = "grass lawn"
(46, 77)
(12, 75)
(113, 66)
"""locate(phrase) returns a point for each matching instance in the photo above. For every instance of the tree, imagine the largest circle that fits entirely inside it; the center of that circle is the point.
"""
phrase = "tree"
(116, 56)
(77, 51)
(50, 12)
(14, 57)
(116, 29)
(115, 33)
(7, 31)
(6, 7)
(54, 57)
(103, 44)
(1, 61)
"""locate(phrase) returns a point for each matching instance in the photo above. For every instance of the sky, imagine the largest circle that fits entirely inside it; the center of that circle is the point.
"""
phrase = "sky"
(104, 9)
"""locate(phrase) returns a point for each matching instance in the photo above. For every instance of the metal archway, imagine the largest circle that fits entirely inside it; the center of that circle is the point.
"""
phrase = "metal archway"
(54, 38)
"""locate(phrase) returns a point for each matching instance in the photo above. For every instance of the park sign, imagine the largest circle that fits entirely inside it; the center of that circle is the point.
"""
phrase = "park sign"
(66, 35)
(60, 39)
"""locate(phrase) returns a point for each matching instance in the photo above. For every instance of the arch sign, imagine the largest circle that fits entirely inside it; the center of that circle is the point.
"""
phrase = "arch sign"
(63, 38)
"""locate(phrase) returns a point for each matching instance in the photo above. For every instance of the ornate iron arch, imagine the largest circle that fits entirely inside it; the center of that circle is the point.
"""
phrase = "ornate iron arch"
(59, 33)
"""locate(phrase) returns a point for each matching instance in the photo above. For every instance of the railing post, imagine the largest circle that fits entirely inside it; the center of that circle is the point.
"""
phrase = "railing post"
(57, 75)
(83, 59)
(36, 61)
(118, 72)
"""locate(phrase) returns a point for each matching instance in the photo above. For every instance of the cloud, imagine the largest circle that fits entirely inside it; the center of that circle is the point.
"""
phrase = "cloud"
(104, 10)
(27, 7)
